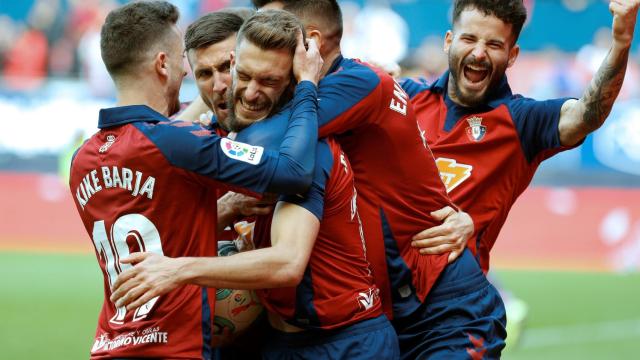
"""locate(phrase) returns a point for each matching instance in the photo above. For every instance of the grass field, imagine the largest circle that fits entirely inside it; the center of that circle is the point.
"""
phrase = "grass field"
(49, 306)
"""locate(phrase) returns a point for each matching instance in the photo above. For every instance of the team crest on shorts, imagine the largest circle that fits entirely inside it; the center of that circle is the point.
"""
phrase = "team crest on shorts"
(475, 130)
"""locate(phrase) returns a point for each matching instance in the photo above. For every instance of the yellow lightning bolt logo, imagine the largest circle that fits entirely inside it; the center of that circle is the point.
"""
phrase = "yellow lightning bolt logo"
(452, 173)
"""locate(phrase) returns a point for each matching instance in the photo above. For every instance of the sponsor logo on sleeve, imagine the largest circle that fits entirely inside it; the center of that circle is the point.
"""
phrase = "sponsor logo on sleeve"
(242, 152)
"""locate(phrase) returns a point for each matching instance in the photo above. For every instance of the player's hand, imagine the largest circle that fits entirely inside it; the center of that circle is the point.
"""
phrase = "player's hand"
(307, 63)
(243, 205)
(204, 119)
(451, 235)
(625, 14)
(152, 275)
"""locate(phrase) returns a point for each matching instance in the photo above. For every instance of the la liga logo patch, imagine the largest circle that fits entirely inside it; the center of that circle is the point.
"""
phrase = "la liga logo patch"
(475, 130)
(241, 151)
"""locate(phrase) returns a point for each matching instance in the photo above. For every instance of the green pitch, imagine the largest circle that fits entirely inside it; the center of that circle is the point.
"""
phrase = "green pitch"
(49, 306)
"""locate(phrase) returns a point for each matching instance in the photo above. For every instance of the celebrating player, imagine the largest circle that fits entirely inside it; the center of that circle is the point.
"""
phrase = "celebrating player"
(488, 142)
(317, 254)
(398, 181)
(143, 183)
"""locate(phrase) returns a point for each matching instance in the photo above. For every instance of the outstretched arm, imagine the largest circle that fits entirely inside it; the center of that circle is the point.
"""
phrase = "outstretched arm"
(293, 233)
(578, 118)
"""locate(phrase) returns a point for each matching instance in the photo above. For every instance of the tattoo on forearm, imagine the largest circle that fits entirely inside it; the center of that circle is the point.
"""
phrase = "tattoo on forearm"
(603, 90)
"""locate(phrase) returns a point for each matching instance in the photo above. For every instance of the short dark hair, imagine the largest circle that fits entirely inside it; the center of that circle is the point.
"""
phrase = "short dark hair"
(272, 30)
(211, 29)
(326, 11)
(511, 12)
(131, 30)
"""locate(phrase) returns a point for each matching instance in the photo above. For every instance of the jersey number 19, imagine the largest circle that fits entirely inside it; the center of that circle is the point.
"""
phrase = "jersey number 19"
(142, 234)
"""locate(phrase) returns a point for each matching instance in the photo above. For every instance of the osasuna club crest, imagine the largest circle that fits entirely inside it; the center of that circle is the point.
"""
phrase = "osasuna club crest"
(476, 130)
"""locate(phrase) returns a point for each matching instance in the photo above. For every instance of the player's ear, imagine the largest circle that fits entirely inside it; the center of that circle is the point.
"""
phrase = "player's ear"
(448, 39)
(316, 35)
(513, 55)
(232, 58)
(161, 64)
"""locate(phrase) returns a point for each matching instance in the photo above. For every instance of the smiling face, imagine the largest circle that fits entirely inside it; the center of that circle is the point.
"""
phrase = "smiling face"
(480, 49)
(259, 81)
(211, 69)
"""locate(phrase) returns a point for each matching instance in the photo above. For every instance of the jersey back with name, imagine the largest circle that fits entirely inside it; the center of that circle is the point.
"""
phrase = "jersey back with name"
(396, 176)
(131, 199)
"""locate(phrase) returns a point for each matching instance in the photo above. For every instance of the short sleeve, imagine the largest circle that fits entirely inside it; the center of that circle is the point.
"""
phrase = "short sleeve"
(537, 124)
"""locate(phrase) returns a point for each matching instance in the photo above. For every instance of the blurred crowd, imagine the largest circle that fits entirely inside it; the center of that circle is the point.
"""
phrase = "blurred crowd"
(50, 64)
(60, 39)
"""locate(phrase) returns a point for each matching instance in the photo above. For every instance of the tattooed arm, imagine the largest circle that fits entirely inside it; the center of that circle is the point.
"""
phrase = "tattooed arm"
(578, 118)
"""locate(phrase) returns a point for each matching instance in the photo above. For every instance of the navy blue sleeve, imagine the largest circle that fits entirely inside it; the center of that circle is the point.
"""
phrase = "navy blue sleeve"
(296, 163)
(268, 132)
(537, 124)
(314, 198)
(202, 152)
(287, 171)
(413, 86)
(347, 98)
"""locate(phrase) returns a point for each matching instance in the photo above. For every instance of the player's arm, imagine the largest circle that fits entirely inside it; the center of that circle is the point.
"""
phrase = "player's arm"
(245, 167)
(414, 86)
(580, 117)
(450, 236)
(348, 99)
(232, 206)
(293, 233)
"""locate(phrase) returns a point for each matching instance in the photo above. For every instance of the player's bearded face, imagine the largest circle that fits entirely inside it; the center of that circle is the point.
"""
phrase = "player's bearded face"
(261, 83)
(234, 122)
(480, 49)
(211, 68)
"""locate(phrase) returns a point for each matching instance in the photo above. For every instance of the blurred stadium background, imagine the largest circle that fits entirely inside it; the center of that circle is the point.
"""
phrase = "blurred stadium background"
(570, 250)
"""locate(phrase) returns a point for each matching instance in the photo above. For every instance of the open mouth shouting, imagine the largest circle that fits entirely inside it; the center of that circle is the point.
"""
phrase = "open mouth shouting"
(221, 109)
(476, 75)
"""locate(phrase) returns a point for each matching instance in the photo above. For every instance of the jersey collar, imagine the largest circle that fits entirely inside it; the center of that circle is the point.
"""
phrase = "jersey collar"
(499, 96)
(128, 114)
(336, 64)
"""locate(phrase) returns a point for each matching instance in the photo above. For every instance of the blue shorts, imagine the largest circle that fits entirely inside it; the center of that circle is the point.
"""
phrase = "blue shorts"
(367, 340)
(463, 317)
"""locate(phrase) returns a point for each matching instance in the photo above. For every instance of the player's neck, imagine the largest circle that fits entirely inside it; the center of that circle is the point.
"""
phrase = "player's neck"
(328, 59)
(143, 96)
(451, 93)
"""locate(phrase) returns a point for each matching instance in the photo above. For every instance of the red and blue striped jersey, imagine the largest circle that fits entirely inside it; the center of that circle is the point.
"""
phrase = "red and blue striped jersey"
(488, 155)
